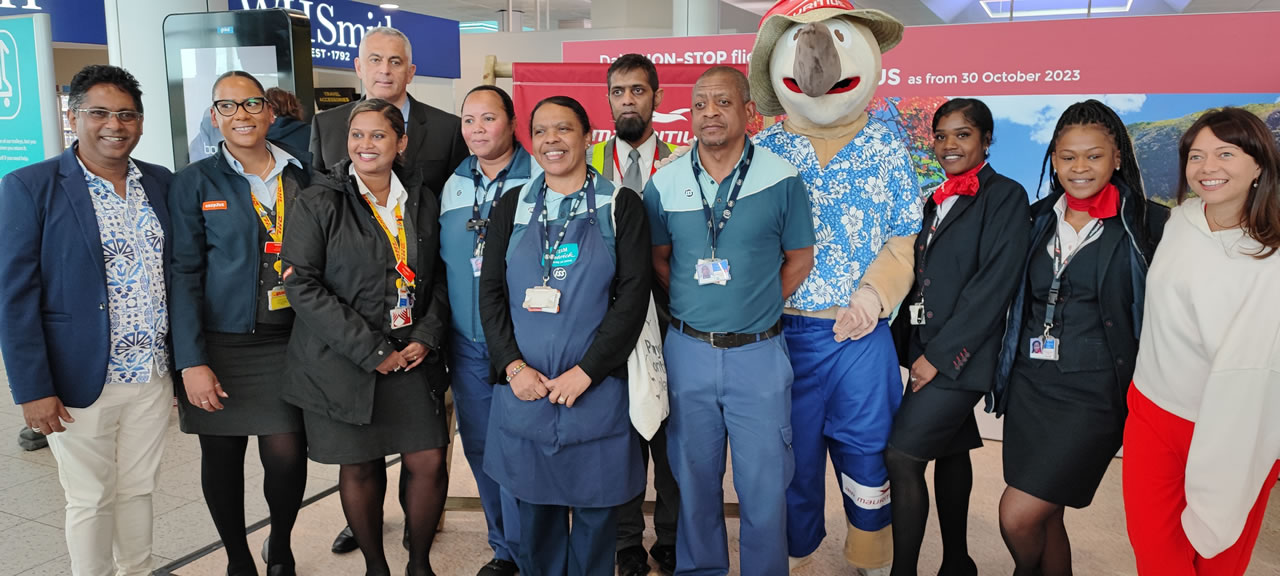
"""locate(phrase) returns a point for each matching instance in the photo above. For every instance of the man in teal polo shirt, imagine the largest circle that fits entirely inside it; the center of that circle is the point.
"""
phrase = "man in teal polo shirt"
(733, 237)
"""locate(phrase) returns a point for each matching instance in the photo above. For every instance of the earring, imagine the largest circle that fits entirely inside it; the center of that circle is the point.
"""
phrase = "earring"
(1255, 183)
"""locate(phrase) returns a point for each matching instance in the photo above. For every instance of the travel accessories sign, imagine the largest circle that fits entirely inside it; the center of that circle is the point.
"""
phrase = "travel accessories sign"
(338, 26)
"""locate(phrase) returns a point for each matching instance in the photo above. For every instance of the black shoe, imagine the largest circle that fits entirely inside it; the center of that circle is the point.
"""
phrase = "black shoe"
(31, 440)
(276, 569)
(497, 567)
(345, 542)
(281, 570)
(408, 570)
(665, 556)
(405, 542)
(632, 561)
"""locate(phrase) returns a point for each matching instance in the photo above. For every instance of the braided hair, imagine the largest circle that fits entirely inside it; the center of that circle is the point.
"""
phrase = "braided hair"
(1128, 178)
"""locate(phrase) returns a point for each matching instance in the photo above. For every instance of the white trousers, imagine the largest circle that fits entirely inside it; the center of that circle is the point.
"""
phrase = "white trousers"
(108, 463)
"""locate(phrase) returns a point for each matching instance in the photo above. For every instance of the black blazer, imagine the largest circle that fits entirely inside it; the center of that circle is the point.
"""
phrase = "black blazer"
(335, 256)
(54, 325)
(1121, 275)
(967, 274)
(435, 146)
(216, 253)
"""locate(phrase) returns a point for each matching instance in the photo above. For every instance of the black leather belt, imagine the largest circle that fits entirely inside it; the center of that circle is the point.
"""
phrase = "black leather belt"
(724, 340)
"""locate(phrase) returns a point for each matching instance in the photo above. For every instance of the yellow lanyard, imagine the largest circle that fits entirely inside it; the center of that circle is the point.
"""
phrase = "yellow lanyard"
(276, 232)
(399, 244)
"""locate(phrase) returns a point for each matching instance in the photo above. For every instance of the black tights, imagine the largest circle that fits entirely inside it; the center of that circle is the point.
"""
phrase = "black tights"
(362, 488)
(953, 481)
(284, 460)
(1033, 530)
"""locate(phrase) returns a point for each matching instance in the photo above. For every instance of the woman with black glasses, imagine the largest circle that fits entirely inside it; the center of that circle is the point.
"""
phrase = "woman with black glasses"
(231, 320)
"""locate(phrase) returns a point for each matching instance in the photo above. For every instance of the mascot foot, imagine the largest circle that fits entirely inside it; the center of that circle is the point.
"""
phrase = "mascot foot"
(870, 553)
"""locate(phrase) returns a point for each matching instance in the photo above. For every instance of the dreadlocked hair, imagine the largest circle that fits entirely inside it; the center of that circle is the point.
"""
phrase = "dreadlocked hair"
(1093, 112)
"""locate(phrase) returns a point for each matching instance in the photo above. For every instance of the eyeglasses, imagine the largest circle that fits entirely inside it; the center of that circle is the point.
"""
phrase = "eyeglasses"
(103, 115)
(250, 105)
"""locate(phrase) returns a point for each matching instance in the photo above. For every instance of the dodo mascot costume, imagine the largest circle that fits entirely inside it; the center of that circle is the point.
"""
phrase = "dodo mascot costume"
(818, 62)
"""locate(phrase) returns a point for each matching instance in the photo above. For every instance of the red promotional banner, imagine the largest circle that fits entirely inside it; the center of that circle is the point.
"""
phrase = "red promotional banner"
(1154, 54)
(587, 84)
(1158, 73)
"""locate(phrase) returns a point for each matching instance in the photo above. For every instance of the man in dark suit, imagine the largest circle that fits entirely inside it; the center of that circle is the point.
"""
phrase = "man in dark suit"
(84, 327)
(436, 147)
(385, 67)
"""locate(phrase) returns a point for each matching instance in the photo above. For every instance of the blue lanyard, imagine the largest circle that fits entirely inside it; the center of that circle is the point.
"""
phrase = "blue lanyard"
(741, 175)
(549, 251)
(478, 223)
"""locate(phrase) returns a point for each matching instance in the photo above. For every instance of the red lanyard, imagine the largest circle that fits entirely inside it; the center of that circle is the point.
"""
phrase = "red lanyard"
(653, 168)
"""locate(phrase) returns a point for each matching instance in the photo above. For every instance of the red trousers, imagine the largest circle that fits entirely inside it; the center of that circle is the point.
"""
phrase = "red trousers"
(1156, 444)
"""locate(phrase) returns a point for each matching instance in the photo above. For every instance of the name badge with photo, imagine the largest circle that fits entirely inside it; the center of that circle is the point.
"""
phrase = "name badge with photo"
(1044, 348)
(712, 271)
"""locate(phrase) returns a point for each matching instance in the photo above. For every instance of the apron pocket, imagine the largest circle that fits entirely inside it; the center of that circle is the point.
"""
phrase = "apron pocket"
(602, 411)
(533, 421)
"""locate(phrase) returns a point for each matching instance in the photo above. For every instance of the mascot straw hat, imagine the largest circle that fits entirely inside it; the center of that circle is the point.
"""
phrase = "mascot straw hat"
(886, 29)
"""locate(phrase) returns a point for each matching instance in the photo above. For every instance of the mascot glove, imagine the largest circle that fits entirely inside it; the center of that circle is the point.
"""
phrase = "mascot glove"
(860, 317)
(678, 152)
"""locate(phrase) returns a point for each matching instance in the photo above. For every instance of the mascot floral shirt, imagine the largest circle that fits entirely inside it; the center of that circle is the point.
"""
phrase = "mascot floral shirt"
(866, 195)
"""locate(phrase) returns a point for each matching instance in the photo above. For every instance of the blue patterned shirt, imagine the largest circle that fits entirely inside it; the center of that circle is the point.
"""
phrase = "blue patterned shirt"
(133, 255)
(866, 195)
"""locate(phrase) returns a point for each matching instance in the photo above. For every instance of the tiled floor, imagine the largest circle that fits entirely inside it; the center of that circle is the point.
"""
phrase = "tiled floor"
(32, 543)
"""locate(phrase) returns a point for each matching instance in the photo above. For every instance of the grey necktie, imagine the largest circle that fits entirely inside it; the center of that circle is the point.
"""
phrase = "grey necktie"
(631, 178)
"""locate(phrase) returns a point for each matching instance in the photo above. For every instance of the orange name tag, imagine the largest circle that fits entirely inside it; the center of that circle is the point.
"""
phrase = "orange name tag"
(215, 205)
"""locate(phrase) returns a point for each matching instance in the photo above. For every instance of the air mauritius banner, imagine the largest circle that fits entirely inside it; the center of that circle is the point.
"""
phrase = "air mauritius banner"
(1154, 71)
(587, 84)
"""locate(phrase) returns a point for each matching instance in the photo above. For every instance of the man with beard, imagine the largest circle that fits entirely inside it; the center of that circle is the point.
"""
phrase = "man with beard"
(628, 160)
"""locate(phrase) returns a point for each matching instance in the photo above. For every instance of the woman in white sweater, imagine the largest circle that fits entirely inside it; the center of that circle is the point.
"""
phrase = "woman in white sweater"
(1202, 441)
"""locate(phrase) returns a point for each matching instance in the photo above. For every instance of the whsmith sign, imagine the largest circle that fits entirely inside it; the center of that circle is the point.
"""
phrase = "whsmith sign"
(337, 26)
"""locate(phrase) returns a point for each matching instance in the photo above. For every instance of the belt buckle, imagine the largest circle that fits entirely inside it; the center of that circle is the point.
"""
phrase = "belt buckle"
(711, 339)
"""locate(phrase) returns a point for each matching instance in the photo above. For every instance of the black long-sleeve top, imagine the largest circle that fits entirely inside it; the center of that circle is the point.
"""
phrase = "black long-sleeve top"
(628, 300)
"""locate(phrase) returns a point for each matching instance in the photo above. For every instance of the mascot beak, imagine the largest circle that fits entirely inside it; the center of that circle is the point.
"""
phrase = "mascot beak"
(817, 65)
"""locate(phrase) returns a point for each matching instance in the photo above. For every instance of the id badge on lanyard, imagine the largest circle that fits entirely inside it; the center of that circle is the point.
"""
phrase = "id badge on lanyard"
(402, 313)
(715, 270)
(1046, 347)
(544, 298)
(481, 225)
(276, 298)
(915, 312)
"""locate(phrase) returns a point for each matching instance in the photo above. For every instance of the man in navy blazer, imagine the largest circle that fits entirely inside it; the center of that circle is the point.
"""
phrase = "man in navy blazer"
(83, 320)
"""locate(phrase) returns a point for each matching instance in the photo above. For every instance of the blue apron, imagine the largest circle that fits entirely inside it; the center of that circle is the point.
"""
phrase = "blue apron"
(545, 453)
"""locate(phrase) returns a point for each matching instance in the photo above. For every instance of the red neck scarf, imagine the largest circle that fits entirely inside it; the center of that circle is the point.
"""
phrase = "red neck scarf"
(1105, 204)
(961, 184)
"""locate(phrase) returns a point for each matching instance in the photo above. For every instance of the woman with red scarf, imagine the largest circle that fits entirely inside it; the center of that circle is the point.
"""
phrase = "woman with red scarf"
(948, 332)
(1069, 351)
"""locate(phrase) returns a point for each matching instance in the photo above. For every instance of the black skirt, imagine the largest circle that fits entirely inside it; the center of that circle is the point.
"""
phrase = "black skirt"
(936, 422)
(250, 368)
(1061, 431)
(407, 417)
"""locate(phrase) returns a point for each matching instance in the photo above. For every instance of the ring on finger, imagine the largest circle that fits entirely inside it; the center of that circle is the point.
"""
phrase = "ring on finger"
(36, 429)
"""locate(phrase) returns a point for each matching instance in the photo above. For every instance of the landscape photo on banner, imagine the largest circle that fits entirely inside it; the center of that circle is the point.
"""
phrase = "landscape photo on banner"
(1145, 71)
